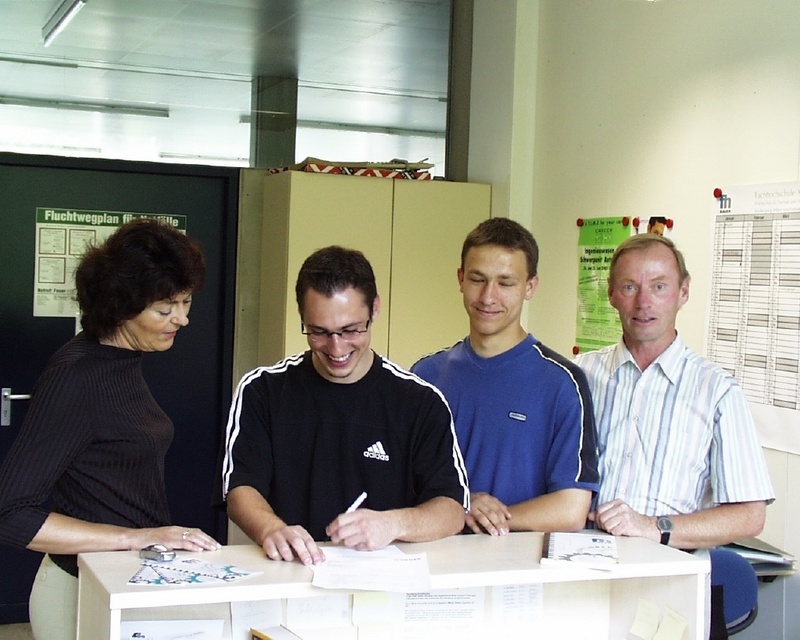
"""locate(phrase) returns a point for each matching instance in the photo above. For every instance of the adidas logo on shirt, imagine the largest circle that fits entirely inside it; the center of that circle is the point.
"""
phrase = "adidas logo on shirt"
(376, 451)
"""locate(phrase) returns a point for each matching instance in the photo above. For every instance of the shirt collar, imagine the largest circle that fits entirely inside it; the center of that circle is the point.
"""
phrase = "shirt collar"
(669, 360)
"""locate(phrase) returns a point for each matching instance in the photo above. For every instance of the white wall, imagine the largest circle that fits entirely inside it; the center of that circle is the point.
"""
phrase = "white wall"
(643, 108)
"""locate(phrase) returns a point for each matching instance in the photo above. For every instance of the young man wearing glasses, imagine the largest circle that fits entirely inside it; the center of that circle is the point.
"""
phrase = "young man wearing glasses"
(523, 413)
(307, 436)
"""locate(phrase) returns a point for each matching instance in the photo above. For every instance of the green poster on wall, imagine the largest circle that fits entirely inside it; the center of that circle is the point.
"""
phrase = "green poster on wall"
(597, 323)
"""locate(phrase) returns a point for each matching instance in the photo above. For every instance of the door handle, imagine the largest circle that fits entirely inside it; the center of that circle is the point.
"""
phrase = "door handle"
(5, 405)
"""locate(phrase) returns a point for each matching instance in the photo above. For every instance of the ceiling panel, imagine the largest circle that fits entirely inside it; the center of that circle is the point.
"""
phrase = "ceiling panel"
(370, 63)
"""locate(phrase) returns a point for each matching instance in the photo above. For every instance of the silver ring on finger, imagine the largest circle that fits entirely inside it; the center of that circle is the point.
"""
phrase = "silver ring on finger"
(185, 534)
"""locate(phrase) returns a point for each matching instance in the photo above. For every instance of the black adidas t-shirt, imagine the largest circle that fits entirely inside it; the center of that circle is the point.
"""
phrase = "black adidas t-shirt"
(310, 446)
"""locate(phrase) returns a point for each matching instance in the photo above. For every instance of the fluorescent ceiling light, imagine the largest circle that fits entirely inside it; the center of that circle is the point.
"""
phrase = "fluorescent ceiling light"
(101, 107)
(368, 128)
(246, 118)
(66, 11)
(189, 156)
(52, 148)
(44, 62)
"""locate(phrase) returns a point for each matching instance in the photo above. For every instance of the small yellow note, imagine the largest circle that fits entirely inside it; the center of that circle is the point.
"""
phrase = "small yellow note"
(645, 624)
(673, 626)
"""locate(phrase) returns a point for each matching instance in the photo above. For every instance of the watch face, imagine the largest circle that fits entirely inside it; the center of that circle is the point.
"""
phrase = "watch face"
(664, 524)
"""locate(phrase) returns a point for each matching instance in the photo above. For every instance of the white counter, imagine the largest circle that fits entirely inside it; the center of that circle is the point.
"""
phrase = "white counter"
(574, 600)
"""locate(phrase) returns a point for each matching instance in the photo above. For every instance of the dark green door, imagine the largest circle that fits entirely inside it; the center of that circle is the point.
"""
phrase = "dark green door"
(191, 381)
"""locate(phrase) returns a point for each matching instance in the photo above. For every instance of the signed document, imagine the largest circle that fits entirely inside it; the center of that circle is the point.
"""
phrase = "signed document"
(388, 569)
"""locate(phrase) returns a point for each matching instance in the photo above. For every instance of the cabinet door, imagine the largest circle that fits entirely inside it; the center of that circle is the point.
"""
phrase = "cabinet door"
(431, 220)
(304, 212)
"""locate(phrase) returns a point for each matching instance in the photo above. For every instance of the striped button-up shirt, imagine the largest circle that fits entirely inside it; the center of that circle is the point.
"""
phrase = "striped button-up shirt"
(675, 438)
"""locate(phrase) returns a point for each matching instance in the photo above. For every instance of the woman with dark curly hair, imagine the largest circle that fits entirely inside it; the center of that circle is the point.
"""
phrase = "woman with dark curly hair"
(86, 472)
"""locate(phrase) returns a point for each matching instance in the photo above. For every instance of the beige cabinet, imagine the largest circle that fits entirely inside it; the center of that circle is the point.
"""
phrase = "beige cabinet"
(411, 232)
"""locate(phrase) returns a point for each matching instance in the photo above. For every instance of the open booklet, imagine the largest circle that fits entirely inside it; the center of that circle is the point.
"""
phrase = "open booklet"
(590, 549)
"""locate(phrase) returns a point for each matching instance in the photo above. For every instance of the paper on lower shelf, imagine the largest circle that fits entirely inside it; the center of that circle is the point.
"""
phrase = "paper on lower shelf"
(171, 629)
(256, 614)
(319, 612)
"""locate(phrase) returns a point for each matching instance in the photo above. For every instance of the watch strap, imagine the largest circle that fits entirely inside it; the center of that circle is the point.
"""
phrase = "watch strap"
(664, 525)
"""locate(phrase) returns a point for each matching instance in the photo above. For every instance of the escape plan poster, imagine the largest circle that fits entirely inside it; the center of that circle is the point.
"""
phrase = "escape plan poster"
(597, 322)
(62, 236)
(754, 313)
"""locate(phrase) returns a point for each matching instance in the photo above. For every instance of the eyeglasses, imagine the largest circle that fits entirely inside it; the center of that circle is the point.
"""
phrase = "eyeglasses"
(319, 335)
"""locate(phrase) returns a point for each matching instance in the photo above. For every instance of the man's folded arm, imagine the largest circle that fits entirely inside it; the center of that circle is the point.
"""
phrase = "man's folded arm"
(563, 510)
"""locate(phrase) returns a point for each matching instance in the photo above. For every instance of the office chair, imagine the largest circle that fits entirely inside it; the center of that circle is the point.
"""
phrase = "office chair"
(735, 581)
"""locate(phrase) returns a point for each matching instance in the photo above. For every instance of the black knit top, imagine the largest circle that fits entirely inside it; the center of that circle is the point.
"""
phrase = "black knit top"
(92, 447)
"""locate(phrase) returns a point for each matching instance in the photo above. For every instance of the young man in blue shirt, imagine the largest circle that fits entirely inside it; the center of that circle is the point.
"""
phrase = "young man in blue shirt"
(522, 412)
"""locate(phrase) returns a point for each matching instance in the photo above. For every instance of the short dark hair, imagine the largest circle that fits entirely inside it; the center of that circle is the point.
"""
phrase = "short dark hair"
(142, 262)
(333, 269)
(643, 241)
(507, 233)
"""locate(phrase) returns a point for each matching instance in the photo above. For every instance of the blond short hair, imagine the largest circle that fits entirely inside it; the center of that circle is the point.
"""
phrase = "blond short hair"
(643, 241)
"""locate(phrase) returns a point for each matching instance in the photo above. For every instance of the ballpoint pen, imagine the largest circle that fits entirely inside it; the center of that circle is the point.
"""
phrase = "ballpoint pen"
(357, 502)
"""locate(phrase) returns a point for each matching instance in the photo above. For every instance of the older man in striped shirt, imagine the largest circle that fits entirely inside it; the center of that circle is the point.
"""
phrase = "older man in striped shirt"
(680, 460)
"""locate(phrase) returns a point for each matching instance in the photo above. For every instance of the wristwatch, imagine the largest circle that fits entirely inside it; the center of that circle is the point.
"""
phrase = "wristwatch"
(665, 526)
